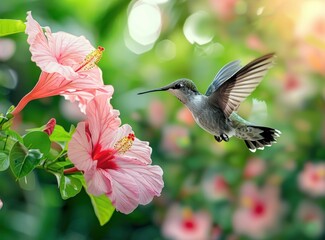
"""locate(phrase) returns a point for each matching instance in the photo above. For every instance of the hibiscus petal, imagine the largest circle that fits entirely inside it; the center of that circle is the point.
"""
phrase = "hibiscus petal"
(69, 49)
(140, 150)
(102, 118)
(110, 138)
(97, 182)
(44, 55)
(148, 178)
(84, 97)
(80, 149)
(134, 183)
(125, 192)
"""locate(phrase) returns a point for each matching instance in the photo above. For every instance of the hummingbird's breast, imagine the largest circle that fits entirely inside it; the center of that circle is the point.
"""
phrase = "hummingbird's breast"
(211, 118)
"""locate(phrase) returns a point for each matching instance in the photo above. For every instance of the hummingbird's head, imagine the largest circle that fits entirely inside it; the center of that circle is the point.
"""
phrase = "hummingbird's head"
(183, 89)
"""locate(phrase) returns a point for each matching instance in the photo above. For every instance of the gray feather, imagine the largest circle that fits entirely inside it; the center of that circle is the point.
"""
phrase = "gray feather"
(223, 75)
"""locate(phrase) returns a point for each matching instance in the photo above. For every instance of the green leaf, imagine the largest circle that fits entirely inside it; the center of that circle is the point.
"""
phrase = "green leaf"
(102, 205)
(22, 160)
(4, 161)
(37, 140)
(69, 186)
(10, 26)
(103, 208)
(60, 135)
(14, 135)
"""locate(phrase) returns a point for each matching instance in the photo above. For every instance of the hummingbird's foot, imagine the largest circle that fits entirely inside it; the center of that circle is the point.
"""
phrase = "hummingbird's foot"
(225, 137)
(218, 138)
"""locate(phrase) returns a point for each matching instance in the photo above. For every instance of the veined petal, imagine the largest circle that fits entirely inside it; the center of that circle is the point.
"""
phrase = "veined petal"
(140, 150)
(84, 97)
(42, 54)
(148, 178)
(101, 118)
(69, 49)
(80, 149)
(97, 182)
(125, 192)
(34, 31)
(110, 138)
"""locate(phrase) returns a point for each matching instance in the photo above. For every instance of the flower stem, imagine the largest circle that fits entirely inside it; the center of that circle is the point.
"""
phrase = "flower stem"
(71, 170)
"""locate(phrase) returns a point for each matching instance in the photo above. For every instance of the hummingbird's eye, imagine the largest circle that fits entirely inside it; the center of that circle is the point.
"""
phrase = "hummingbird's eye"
(179, 85)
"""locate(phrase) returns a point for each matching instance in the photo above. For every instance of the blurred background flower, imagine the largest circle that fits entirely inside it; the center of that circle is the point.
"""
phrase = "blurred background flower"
(312, 179)
(259, 212)
(181, 223)
(147, 45)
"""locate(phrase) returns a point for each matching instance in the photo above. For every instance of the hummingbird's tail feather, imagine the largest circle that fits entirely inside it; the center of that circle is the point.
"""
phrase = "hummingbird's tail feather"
(262, 136)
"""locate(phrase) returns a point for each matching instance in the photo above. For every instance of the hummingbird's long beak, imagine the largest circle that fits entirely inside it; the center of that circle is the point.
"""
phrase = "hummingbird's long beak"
(154, 90)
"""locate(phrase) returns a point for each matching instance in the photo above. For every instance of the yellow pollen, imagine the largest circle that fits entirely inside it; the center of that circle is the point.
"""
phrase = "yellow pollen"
(91, 59)
(321, 172)
(246, 202)
(124, 144)
(187, 213)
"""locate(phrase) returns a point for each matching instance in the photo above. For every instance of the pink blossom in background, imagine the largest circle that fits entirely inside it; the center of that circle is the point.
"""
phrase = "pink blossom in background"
(175, 140)
(254, 168)
(311, 216)
(1, 204)
(185, 116)
(68, 65)
(216, 187)
(224, 8)
(157, 113)
(184, 224)
(254, 42)
(7, 48)
(312, 179)
(259, 211)
(113, 160)
(310, 32)
(297, 88)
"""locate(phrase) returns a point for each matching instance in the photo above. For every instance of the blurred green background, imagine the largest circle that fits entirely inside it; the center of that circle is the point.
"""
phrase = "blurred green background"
(148, 45)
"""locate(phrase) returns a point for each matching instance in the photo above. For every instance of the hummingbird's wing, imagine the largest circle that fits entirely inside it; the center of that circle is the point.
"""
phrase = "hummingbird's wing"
(229, 93)
(223, 75)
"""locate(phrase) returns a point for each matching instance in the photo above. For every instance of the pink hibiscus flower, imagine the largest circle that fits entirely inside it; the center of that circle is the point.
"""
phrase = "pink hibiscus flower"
(216, 187)
(312, 179)
(260, 211)
(184, 224)
(113, 160)
(68, 65)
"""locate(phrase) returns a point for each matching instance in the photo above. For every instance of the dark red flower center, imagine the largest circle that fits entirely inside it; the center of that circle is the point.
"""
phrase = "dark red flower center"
(189, 224)
(258, 208)
(106, 158)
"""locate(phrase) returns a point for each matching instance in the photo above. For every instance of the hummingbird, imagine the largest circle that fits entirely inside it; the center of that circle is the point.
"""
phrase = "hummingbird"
(215, 111)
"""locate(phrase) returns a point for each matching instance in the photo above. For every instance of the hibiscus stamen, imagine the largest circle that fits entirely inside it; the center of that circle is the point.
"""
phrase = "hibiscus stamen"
(91, 59)
(125, 143)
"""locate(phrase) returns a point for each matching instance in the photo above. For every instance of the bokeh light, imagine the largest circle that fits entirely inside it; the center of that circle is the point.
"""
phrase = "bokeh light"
(144, 23)
(196, 28)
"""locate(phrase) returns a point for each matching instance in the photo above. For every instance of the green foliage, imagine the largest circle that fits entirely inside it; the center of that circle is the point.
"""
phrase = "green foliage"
(102, 205)
(4, 161)
(37, 140)
(8, 27)
(103, 208)
(69, 186)
(23, 160)
(61, 135)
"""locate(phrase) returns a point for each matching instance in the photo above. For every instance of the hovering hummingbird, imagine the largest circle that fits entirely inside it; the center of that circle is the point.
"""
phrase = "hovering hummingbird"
(215, 111)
